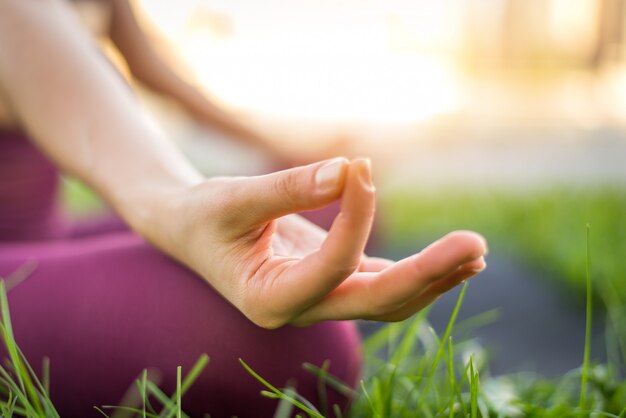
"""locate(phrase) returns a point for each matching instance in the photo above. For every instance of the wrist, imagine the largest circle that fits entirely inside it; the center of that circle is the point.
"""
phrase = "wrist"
(148, 205)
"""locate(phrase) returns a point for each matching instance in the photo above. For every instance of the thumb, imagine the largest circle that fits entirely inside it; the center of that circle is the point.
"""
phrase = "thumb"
(297, 189)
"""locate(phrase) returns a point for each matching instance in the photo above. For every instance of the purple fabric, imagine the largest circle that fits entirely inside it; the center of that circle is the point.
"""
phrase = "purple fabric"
(103, 305)
(28, 189)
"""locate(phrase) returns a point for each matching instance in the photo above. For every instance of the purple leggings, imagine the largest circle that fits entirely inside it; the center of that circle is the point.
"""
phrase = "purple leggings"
(103, 305)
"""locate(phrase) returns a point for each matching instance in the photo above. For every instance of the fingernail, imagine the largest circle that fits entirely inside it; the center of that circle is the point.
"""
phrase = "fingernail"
(478, 270)
(328, 176)
(486, 245)
(365, 173)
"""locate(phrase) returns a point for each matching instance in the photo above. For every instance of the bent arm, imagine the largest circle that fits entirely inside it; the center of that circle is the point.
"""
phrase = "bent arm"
(149, 68)
(232, 231)
(80, 111)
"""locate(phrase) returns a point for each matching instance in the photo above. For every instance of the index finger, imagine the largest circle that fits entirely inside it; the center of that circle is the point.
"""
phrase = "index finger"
(310, 279)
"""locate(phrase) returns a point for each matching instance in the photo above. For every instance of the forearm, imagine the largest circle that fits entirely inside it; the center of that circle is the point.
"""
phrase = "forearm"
(155, 75)
(220, 118)
(81, 113)
(149, 68)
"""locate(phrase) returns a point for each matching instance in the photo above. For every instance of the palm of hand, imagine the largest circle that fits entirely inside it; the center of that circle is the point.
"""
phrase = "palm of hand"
(280, 268)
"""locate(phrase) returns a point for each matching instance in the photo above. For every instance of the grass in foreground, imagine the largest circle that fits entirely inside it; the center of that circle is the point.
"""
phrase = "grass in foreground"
(410, 372)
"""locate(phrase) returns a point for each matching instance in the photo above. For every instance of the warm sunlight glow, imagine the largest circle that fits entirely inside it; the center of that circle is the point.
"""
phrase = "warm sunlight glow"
(330, 87)
(359, 65)
(307, 63)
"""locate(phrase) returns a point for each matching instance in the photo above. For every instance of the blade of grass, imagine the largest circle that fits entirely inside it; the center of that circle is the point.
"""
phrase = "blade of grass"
(9, 341)
(189, 379)
(388, 390)
(285, 408)
(194, 373)
(20, 274)
(43, 393)
(35, 397)
(409, 340)
(445, 337)
(477, 321)
(473, 389)
(126, 408)
(331, 380)
(160, 396)
(452, 379)
(142, 389)
(321, 387)
(144, 377)
(265, 383)
(369, 400)
(45, 374)
(378, 339)
(15, 389)
(304, 400)
(337, 411)
(284, 396)
(101, 411)
(178, 383)
(585, 369)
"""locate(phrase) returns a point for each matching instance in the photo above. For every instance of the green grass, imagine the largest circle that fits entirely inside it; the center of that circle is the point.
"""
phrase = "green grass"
(540, 227)
(421, 375)
(24, 394)
(77, 199)
(588, 317)
(417, 384)
(412, 381)
(410, 371)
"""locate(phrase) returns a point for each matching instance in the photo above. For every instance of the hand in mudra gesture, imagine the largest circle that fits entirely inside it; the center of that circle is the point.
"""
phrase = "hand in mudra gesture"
(242, 236)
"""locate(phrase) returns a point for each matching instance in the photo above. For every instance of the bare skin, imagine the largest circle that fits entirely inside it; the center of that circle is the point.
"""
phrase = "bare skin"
(240, 234)
(153, 72)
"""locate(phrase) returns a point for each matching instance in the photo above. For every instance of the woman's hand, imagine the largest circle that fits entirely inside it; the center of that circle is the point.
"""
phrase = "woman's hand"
(241, 235)
(237, 233)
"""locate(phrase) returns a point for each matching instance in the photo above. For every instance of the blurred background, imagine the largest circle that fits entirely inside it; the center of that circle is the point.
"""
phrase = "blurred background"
(503, 116)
